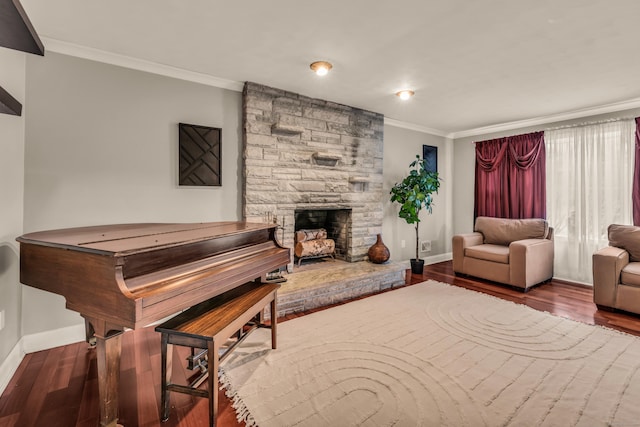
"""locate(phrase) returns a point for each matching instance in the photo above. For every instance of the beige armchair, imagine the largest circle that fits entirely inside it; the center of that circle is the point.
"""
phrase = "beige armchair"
(616, 270)
(516, 252)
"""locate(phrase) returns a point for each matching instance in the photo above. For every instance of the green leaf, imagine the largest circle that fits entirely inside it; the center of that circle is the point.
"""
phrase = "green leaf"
(414, 192)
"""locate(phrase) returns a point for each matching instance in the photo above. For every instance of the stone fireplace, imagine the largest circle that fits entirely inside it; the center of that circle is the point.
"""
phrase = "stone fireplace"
(310, 155)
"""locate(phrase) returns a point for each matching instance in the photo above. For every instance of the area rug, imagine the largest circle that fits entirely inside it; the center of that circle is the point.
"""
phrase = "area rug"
(436, 355)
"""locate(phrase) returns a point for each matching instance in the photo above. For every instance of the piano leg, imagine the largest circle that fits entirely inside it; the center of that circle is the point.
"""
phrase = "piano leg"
(109, 348)
(90, 333)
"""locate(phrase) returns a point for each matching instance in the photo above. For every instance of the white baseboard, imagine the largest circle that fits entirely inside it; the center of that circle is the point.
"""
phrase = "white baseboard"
(439, 258)
(37, 342)
(430, 260)
(10, 365)
(55, 338)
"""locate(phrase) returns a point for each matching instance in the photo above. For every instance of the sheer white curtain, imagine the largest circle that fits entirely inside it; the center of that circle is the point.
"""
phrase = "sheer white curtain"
(589, 178)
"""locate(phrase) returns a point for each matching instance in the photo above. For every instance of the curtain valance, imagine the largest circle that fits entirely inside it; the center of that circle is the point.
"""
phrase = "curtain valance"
(523, 150)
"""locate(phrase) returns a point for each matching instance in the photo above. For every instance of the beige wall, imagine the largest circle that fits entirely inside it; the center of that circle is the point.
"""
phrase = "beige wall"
(12, 79)
(101, 148)
(400, 148)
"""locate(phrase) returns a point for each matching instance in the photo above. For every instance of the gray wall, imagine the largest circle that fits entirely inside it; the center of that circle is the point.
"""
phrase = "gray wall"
(98, 144)
(12, 79)
(400, 148)
(101, 148)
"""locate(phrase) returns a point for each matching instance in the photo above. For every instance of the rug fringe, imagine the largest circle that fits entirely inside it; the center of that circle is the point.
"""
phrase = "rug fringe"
(242, 412)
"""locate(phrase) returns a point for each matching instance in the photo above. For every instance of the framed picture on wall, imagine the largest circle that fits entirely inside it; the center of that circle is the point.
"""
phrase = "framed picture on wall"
(200, 154)
(430, 156)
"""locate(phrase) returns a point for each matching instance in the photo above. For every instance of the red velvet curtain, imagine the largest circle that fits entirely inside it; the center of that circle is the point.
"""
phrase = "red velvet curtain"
(511, 177)
(636, 178)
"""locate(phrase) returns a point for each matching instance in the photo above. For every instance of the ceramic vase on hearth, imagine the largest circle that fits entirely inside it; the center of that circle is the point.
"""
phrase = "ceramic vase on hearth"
(378, 253)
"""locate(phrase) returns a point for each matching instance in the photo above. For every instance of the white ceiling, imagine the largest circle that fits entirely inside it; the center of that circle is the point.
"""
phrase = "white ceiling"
(472, 63)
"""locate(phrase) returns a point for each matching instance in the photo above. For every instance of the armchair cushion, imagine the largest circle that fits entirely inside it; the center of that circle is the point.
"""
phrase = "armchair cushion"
(626, 237)
(495, 253)
(503, 231)
(631, 274)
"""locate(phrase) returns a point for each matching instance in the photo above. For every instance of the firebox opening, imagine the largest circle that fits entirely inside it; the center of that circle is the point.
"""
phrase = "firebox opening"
(336, 221)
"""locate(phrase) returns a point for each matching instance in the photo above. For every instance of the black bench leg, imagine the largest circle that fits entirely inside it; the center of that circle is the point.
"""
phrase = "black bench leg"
(274, 323)
(214, 364)
(166, 360)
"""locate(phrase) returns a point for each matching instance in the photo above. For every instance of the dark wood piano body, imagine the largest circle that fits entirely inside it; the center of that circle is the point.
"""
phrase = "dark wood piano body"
(130, 275)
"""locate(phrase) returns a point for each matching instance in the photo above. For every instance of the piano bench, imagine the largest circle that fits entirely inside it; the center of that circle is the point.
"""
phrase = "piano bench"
(209, 325)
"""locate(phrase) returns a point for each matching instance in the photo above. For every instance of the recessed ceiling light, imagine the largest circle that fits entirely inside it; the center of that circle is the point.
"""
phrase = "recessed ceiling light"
(321, 68)
(405, 94)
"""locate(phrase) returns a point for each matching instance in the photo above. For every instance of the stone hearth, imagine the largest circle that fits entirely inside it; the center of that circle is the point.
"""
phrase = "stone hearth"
(303, 153)
(328, 282)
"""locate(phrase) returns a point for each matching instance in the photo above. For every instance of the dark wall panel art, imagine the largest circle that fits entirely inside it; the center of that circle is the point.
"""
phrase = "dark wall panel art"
(430, 156)
(200, 153)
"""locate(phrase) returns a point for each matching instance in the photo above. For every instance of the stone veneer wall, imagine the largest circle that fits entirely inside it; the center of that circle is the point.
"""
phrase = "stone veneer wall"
(304, 153)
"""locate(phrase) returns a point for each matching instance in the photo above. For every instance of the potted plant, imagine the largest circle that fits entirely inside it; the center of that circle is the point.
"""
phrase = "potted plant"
(414, 193)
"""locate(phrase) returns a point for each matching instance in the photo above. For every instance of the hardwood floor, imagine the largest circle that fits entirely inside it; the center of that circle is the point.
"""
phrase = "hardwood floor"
(58, 387)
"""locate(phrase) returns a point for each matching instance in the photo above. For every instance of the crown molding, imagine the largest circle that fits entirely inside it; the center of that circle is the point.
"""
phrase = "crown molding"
(71, 49)
(543, 120)
(413, 126)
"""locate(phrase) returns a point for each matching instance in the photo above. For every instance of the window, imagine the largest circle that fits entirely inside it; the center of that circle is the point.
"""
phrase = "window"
(589, 179)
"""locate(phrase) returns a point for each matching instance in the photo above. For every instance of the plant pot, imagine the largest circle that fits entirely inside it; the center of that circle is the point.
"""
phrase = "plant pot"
(417, 266)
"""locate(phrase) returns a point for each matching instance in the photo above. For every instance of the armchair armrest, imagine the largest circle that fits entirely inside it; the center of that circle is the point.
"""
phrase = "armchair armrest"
(530, 261)
(607, 264)
(461, 241)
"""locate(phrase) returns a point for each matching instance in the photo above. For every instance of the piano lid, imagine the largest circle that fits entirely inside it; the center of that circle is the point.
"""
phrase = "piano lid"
(128, 239)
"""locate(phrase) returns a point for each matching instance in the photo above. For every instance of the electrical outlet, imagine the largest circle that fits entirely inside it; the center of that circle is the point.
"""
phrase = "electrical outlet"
(426, 246)
(1, 320)
(403, 243)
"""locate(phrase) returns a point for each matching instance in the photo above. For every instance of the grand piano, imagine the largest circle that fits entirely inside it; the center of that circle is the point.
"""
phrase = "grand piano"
(130, 275)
